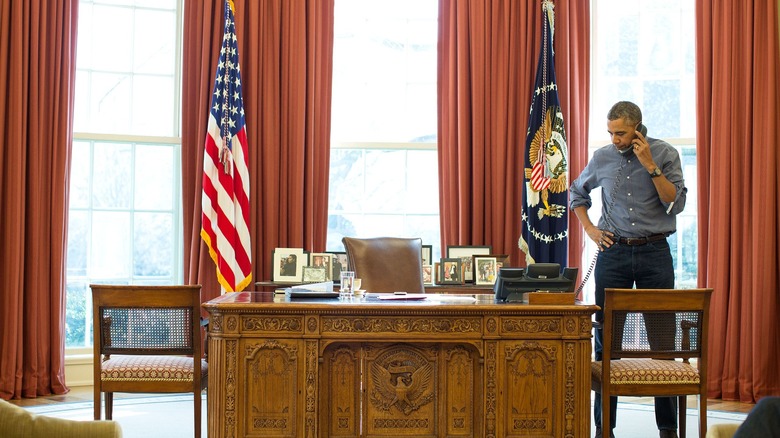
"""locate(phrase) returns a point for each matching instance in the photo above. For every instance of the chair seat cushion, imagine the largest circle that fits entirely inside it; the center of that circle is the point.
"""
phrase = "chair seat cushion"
(150, 368)
(647, 371)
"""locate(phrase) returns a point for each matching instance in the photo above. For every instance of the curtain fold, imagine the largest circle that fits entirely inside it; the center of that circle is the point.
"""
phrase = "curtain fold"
(37, 79)
(738, 113)
(286, 66)
(487, 67)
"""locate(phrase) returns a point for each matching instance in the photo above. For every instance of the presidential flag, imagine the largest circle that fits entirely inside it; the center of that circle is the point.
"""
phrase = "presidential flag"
(544, 236)
(225, 203)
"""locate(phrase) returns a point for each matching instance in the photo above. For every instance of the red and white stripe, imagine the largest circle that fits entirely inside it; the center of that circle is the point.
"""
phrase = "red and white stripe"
(225, 227)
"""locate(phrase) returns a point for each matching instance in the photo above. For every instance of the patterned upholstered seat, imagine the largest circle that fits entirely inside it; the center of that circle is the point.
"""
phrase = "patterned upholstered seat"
(650, 337)
(147, 339)
(648, 371)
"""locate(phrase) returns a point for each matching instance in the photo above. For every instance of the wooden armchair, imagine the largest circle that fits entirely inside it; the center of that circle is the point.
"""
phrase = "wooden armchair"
(386, 264)
(651, 330)
(147, 339)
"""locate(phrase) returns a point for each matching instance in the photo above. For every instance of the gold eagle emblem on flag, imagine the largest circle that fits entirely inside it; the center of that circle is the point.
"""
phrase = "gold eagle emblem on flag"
(550, 167)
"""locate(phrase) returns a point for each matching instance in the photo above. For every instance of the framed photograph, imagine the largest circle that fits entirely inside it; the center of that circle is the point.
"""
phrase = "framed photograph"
(427, 275)
(485, 270)
(322, 260)
(288, 265)
(339, 262)
(451, 271)
(427, 251)
(436, 273)
(466, 254)
(314, 274)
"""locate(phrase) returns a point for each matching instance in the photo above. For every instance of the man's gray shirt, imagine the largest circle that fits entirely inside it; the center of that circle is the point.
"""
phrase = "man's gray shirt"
(631, 206)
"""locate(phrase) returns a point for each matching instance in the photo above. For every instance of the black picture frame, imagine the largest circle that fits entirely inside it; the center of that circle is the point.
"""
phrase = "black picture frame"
(427, 255)
(451, 271)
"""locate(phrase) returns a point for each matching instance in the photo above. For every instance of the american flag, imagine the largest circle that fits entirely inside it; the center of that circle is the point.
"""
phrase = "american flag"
(225, 204)
(544, 237)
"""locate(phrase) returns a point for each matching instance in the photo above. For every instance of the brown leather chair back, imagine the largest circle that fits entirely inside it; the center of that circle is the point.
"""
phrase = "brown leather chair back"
(386, 264)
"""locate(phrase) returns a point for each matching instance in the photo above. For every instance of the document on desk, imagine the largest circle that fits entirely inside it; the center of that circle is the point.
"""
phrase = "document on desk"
(402, 296)
(454, 299)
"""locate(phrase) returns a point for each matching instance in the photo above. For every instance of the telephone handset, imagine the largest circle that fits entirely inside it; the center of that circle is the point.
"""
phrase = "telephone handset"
(642, 128)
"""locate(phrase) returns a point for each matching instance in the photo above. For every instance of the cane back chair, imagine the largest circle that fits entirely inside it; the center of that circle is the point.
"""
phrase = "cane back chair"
(655, 333)
(147, 339)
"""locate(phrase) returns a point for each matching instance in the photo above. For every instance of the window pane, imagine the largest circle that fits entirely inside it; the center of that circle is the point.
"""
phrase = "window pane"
(154, 177)
(153, 245)
(78, 241)
(112, 41)
(111, 176)
(110, 99)
(383, 191)
(155, 38)
(423, 183)
(79, 175)
(78, 312)
(153, 105)
(110, 249)
(384, 71)
(645, 52)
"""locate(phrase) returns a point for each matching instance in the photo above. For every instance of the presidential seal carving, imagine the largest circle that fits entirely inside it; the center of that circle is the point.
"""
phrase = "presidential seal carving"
(402, 379)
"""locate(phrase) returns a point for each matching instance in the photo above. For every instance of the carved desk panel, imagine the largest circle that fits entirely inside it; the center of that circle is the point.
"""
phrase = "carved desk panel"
(442, 367)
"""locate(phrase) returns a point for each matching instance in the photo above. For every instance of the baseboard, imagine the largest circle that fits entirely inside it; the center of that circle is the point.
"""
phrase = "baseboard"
(78, 370)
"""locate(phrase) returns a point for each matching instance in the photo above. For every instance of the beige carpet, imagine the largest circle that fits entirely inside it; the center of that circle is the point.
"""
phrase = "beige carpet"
(170, 416)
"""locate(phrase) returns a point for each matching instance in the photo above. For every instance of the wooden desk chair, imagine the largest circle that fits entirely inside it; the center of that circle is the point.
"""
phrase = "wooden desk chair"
(147, 339)
(386, 264)
(650, 330)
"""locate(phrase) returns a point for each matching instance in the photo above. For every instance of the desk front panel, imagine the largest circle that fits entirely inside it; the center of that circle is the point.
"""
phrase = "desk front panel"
(325, 369)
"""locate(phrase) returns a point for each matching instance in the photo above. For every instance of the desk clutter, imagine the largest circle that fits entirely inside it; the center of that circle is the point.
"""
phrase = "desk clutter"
(386, 263)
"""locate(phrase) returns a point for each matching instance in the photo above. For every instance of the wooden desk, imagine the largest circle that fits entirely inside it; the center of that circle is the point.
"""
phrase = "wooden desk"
(455, 366)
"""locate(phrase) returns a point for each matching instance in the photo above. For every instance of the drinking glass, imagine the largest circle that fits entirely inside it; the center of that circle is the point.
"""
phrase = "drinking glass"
(347, 285)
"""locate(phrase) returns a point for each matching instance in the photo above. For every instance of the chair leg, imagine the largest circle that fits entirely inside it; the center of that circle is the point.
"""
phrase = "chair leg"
(109, 405)
(197, 413)
(682, 409)
(96, 395)
(606, 421)
(702, 415)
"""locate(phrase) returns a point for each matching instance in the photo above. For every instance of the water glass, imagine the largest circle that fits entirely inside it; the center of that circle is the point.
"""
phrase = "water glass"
(347, 285)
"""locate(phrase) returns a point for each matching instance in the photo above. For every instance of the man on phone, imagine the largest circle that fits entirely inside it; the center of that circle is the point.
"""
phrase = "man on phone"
(642, 191)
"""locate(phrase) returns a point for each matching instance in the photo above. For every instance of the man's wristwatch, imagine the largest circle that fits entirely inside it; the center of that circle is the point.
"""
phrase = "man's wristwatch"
(655, 173)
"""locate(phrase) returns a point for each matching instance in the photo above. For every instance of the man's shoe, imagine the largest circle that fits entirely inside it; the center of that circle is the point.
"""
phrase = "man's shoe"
(666, 433)
(598, 433)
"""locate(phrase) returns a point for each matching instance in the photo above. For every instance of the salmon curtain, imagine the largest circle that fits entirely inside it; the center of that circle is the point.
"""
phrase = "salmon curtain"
(285, 49)
(487, 67)
(738, 114)
(37, 78)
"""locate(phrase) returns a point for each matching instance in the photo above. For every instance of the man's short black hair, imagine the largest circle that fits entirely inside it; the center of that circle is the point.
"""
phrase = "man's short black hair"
(625, 110)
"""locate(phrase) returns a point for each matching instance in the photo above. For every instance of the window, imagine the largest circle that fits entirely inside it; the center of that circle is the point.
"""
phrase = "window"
(384, 164)
(124, 213)
(644, 51)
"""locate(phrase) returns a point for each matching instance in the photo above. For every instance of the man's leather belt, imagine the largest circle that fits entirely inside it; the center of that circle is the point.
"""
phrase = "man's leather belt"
(637, 241)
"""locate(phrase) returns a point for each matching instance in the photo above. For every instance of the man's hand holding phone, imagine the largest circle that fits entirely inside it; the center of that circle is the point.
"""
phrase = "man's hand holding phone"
(642, 150)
